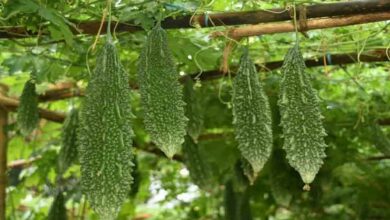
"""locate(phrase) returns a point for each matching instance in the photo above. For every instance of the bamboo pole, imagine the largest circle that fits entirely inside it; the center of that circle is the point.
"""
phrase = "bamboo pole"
(68, 90)
(205, 20)
(3, 155)
(312, 24)
(11, 104)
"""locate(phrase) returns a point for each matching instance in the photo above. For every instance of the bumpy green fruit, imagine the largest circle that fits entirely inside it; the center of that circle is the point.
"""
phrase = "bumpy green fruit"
(57, 210)
(161, 94)
(301, 118)
(105, 135)
(251, 116)
(68, 152)
(200, 170)
(193, 110)
(28, 113)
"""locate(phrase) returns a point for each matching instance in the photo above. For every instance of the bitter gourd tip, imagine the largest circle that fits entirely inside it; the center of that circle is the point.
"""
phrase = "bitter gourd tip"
(306, 187)
(169, 154)
(308, 177)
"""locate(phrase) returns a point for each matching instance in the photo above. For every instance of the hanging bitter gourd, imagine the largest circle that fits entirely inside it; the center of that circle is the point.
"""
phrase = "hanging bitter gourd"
(68, 152)
(28, 113)
(193, 110)
(248, 171)
(58, 210)
(251, 115)
(303, 131)
(199, 168)
(161, 94)
(105, 135)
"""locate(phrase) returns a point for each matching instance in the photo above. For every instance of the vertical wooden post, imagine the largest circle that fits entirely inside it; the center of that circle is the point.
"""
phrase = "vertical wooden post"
(3, 154)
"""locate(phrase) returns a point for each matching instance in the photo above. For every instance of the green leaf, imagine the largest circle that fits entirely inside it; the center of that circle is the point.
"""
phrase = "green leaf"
(59, 22)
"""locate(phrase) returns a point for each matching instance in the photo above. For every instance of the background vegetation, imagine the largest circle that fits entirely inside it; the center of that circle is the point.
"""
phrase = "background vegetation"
(352, 184)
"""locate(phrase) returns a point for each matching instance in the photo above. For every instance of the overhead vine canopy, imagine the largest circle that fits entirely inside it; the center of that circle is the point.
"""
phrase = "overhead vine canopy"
(119, 85)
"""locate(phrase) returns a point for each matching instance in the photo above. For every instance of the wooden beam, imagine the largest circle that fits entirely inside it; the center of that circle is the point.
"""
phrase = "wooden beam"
(61, 91)
(375, 158)
(331, 60)
(311, 24)
(68, 90)
(22, 163)
(224, 19)
(3, 155)
(149, 148)
(385, 121)
(11, 104)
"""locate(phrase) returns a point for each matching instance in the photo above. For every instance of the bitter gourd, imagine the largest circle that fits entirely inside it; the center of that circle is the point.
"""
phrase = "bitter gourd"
(28, 113)
(105, 135)
(200, 171)
(161, 94)
(58, 210)
(68, 152)
(193, 110)
(251, 115)
(303, 131)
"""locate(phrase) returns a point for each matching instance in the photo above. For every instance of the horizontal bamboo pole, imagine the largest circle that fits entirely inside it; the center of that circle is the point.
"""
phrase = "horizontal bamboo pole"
(149, 148)
(311, 24)
(378, 55)
(68, 90)
(12, 104)
(223, 19)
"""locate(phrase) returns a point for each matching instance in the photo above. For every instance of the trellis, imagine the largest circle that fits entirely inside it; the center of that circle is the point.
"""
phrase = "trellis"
(272, 21)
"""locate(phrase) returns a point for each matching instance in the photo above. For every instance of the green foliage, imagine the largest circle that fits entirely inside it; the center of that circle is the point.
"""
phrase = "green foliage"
(236, 203)
(351, 184)
(161, 94)
(58, 210)
(68, 153)
(193, 109)
(251, 116)
(136, 174)
(378, 138)
(105, 135)
(200, 170)
(58, 24)
(28, 113)
(303, 132)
